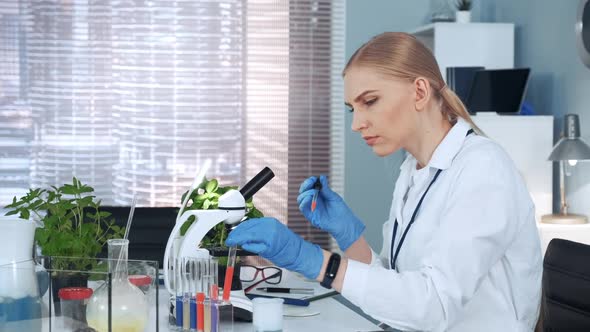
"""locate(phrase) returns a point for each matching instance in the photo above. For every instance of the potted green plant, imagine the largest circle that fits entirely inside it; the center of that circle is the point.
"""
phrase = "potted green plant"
(206, 197)
(463, 14)
(72, 225)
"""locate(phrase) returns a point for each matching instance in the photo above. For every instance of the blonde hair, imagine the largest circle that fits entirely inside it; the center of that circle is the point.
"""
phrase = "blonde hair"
(402, 56)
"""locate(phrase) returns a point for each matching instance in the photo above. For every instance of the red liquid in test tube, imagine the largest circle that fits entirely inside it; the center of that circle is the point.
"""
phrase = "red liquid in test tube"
(229, 273)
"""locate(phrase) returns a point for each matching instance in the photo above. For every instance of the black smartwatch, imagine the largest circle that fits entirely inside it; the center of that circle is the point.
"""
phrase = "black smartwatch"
(331, 270)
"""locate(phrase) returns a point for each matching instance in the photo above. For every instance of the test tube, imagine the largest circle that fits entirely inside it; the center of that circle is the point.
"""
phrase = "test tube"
(214, 263)
(314, 201)
(200, 312)
(186, 299)
(178, 275)
(207, 283)
(229, 273)
(225, 312)
(214, 292)
(193, 291)
(193, 312)
(214, 307)
(225, 308)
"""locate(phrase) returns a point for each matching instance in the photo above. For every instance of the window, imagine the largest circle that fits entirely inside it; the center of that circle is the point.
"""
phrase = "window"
(131, 96)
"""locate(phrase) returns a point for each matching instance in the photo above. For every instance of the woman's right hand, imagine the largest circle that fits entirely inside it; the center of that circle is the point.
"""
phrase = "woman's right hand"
(331, 213)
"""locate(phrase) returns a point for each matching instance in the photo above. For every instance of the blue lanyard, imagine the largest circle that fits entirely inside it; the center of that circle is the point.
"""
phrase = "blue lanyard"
(401, 241)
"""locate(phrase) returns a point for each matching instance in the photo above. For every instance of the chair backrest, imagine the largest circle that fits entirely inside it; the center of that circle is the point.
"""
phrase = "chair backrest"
(149, 232)
(566, 286)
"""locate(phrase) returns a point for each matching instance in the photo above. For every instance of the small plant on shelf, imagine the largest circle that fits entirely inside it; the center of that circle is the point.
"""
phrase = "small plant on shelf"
(463, 5)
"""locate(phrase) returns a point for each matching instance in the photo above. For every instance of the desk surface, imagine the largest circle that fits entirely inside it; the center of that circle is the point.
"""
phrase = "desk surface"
(328, 315)
(333, 315)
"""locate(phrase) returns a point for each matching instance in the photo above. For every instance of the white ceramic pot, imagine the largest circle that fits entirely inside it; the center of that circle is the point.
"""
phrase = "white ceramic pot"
(17, 275)
(463, 16)
(16, 240)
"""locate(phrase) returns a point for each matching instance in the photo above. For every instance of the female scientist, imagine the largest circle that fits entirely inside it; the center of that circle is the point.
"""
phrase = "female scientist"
(461, 250)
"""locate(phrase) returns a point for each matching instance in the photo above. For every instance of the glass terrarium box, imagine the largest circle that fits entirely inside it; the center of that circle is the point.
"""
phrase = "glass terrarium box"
(80, 294)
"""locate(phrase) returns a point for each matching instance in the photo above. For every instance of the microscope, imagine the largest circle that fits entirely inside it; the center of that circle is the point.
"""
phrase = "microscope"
(231, 211)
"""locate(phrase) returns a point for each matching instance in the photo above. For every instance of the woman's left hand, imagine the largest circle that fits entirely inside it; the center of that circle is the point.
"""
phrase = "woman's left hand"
(272, 240)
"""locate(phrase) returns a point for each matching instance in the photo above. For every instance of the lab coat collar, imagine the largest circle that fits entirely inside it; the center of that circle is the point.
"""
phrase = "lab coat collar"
(448, 148)
(446, 151)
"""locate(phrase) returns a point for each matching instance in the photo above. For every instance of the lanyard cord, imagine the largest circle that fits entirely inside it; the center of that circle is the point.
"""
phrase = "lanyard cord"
(393, 256)
(401, 241)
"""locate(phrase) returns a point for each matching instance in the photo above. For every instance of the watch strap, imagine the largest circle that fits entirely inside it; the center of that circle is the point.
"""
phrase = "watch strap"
(331, 270)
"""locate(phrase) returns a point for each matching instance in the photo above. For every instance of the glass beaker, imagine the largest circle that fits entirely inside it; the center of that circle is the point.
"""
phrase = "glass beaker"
(129, 303)
(267, 314)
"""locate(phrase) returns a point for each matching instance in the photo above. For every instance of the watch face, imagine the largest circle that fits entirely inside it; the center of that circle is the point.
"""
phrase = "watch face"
(583, 31)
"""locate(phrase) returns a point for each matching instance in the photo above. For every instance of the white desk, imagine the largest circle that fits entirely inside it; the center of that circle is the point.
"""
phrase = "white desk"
(333, 316)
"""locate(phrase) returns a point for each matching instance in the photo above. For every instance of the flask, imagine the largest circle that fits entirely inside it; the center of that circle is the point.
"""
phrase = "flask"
(129, 303)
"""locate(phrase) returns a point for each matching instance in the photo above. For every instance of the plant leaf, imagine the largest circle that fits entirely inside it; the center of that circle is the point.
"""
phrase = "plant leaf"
(68, 189)
(203, 184)
(25, 214)
(10, 213)
(187, 224)
(86, 189)
(183, 196)
(105, 214)
(211, 186)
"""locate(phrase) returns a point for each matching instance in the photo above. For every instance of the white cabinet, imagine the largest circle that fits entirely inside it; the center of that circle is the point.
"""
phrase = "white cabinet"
(490, 45)
(528, 140)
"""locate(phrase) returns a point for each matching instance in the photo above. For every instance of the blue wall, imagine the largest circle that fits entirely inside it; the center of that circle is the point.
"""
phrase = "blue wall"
(560, 83)
(545, 42)
(369, 179)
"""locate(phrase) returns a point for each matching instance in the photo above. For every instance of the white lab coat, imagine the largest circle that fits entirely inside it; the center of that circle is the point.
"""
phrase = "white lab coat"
(472, 259)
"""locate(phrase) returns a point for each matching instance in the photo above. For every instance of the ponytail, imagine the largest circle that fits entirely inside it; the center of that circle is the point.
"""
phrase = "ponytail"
(453, 108)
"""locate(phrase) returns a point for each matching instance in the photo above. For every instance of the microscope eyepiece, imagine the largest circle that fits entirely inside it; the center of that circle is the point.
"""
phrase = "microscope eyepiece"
(257, 182)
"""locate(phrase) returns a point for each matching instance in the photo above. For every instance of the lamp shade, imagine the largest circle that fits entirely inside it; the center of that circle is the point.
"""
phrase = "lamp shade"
(571, 146)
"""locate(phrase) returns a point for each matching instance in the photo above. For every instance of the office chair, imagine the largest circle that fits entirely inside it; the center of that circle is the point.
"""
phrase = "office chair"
(566, 287)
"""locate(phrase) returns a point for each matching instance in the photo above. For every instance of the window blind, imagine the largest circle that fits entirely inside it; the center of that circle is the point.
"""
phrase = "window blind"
(16, 123)
(295, 119)
(315, 67)
(132, 96)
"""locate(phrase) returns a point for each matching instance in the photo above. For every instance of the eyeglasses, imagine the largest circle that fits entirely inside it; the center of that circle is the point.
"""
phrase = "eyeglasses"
(270, 274)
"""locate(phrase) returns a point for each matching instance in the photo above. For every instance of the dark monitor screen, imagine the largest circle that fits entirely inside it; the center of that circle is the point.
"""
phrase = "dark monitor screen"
(499, 90)
(460, 79)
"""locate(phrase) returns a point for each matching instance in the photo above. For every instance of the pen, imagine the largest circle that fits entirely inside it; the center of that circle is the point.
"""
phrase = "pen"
(321, 296)
(318, 186)
(286, 290)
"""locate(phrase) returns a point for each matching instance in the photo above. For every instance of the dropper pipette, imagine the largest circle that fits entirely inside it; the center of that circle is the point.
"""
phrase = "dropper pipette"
(314, 201)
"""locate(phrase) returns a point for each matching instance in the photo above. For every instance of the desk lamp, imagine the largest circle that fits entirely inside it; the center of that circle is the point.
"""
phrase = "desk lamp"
(570, 148)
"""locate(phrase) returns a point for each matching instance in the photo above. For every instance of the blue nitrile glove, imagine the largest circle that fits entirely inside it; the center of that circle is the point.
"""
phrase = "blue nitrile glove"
(272, 240)
(331, 213)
